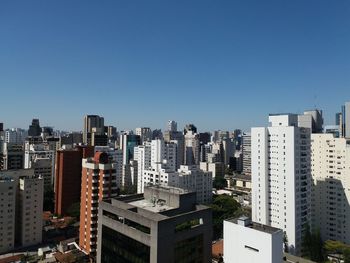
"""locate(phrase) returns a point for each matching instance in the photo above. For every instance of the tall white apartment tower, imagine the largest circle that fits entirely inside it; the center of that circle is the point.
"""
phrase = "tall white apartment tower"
(154, 160)
(281, 177)
(142, 155)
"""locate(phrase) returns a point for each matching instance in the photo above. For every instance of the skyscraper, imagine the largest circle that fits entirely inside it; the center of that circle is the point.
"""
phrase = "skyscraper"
(128, 142)
(281, 177)
(7, 211)
(34, 128)
(346, 119)
(172, 126)
(331, 187)
(246, 153)
(192, 146)
(29, 222)
(98, 183)
(316, 120)
(90, 122)
(68, 177)
(145, 134)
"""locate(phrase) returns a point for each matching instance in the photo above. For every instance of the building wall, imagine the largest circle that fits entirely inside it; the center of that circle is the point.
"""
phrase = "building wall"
(281, 177)
(346, 116)
(163, 238)
(7, 214)
(98, 183)
(331, 187)
(246, 154)
(244, 244)
(29, 211)
(68, 180)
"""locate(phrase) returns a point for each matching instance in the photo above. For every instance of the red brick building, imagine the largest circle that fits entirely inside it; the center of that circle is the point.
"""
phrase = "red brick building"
(68, 177)
(98, 183)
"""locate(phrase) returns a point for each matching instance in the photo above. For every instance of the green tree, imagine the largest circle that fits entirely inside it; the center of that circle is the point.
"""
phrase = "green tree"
(223, 207)
(346, 255)
(306, 242)
(49, 199)
(334, 247)
(219, 182)
(316, 252)
(312, 245)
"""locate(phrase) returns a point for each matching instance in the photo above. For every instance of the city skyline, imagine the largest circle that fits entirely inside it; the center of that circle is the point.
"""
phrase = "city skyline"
(141, 64)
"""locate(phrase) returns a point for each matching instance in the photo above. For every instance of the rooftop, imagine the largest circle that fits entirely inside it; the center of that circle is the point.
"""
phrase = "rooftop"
(254, 225)
(155, 206)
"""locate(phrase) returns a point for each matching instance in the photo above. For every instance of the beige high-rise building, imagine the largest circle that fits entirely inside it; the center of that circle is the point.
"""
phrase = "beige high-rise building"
(331, 187)
(21, 208)
(29, 222)
(7, 214)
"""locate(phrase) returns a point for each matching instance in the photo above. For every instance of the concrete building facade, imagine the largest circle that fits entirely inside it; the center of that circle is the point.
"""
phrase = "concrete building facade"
(250, 242)
(161, 225)
(7, 213)
(98, 183)
(246, 153)
(281, 177)
(29, 222)
(331, 187)
(68, 177)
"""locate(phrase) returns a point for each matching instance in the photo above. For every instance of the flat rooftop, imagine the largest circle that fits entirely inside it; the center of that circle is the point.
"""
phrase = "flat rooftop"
(257, 226)
(151, 206)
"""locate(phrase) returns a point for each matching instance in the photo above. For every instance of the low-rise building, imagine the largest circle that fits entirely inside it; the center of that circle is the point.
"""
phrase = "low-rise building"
(247, 241)
(162, 225)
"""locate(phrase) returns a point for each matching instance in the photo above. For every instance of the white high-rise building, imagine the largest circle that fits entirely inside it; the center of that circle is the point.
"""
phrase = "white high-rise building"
(152, 159)
(281, 177)
(172, 126)
(142, 155)
(21, 192)
(164, 154)
(246, 154)
(7, 212)
(191, 178)
(331, 187)
(29, 222)
(15, 136)
(192, 147)
(38, 156)
(145, 134)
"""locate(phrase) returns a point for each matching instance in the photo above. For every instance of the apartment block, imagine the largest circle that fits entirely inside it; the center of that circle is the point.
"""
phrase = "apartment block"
(7, 213)
(98, 183)
(331, 187)
(29, 222)
(68, 177)
(281, 177)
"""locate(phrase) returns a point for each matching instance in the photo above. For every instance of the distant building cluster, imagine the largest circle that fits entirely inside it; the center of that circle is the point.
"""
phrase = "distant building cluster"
(142, 195)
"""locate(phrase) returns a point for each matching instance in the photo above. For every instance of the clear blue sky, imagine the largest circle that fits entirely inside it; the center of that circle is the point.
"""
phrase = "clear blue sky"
(218, 64)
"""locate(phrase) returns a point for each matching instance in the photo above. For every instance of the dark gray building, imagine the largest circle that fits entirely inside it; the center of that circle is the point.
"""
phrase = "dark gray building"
(162, 225)
(34, 128)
